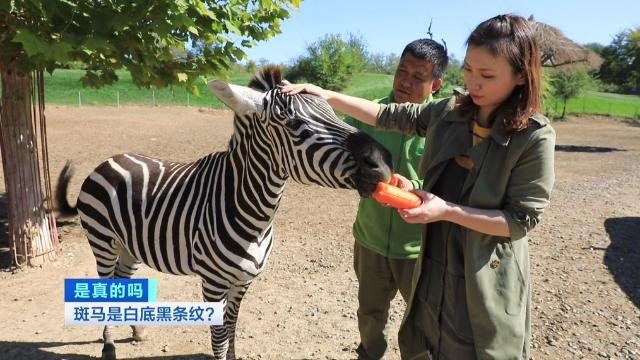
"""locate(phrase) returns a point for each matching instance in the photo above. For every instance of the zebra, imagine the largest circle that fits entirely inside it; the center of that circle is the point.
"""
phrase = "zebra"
(214, 217)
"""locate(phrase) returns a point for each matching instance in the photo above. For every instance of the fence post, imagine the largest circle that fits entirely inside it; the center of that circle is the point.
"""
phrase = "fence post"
(79, 98)
(153, 95)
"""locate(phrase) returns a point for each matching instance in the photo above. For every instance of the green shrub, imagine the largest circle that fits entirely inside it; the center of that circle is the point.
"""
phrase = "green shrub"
(330, 62)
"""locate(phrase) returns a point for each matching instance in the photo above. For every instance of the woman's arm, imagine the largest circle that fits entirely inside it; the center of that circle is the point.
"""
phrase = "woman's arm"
(527, 195)
(359, 109)
(433, 208)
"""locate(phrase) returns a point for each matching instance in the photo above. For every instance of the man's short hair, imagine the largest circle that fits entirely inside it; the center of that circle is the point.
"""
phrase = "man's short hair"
(432, 52)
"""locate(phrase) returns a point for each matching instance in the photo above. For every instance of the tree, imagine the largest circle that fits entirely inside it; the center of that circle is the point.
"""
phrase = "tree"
(330, 62)
(161, 43)
(453, 76)
(595, 47)
(567, 84)
(621, 64)
(383, 63)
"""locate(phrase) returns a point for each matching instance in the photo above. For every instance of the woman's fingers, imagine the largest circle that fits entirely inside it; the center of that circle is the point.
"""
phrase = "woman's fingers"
(293, 89)
(419, 214)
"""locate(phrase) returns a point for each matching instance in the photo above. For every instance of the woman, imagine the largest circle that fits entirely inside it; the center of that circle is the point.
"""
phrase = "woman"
(488, 174)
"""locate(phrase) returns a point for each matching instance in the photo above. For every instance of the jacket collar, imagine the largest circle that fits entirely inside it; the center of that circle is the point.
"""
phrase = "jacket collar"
(498, 133)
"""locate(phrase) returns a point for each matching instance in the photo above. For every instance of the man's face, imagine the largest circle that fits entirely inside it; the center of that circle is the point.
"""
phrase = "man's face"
(413, 81)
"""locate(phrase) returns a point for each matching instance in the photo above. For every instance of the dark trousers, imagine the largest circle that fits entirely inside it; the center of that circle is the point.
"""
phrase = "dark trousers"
(379, 280)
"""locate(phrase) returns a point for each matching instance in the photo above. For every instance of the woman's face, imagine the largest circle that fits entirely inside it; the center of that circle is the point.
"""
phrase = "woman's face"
(490, 79)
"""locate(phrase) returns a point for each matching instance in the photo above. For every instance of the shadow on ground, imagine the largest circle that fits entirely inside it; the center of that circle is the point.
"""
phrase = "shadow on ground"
(622, 257)
(21, 350)
(586, 149)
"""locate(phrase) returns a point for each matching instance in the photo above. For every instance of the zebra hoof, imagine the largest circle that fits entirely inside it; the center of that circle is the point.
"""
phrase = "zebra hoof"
(109, 352)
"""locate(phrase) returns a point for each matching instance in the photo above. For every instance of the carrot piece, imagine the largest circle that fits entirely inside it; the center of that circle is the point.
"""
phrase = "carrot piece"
(396, 197)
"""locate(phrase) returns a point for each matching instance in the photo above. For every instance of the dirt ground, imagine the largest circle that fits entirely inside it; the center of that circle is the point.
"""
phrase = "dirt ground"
(585, 255)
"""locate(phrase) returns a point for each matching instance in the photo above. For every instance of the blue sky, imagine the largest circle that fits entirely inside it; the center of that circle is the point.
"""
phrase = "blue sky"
(387, 26)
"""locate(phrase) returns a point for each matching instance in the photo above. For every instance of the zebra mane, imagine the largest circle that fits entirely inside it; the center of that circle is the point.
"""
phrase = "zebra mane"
(267, 78)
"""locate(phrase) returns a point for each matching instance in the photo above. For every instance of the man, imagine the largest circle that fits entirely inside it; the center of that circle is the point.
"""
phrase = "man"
(386, 247)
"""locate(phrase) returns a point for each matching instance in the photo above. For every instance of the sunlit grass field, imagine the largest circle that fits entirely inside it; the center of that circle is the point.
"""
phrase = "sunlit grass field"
(63, 87)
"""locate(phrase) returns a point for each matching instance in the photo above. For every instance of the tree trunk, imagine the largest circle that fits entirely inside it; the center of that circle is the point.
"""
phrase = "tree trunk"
(32, 230)
(564, 108)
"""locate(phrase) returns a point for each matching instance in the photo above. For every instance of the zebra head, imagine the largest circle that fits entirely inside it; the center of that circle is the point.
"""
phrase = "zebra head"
(302, 135)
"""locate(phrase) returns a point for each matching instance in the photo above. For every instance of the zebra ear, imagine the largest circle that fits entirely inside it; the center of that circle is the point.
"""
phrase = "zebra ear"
(242, 100)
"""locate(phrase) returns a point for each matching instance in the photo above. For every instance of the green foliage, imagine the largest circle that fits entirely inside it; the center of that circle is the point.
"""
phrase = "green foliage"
(621, 64)
(330, 62)
(453, 76)
(161, 42)
(547, 91)
(568, 84)
(383, 63)
(595, 47)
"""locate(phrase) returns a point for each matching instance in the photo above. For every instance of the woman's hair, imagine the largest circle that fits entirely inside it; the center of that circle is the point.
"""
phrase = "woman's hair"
(511, 37)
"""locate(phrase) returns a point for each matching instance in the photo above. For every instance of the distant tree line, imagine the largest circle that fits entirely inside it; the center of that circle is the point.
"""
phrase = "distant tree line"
(333, 60)
(621, 67)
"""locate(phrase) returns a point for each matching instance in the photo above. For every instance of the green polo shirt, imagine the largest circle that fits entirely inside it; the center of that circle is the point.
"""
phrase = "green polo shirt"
(379, 228)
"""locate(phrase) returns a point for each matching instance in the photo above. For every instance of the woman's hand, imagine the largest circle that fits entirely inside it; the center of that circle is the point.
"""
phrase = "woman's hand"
(359, 109)
(292, 89)
(432, 209)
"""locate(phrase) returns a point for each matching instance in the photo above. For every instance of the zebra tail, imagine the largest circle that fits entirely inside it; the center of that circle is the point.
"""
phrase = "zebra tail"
(61, 191)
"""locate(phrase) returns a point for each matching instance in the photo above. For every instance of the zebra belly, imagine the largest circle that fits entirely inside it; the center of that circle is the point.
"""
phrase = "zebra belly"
(217, 261)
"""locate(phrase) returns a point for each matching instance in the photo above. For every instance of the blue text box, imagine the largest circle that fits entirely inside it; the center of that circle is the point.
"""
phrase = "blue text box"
(110, 290)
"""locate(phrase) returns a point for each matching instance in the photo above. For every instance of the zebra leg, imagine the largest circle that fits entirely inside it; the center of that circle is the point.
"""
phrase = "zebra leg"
(113, 262)
(219, 333)
(106, 253)
(127, 266)
(234, 298)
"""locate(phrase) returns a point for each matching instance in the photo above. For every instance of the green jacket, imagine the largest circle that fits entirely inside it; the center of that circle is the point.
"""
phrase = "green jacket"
(514, 174)
(380, 228)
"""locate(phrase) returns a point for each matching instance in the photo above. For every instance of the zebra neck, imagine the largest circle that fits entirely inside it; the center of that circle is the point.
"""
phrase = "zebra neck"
(256, 186)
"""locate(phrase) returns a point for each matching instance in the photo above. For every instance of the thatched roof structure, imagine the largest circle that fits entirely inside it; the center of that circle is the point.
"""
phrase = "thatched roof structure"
(558, 50)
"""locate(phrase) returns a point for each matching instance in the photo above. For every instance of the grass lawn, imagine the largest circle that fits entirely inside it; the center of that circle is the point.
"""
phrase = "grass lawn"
(593, 102)
(64, 88)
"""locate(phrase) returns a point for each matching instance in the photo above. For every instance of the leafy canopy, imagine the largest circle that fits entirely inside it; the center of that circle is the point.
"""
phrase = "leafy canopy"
(160, 42)
(330, 62)
(622, 61)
